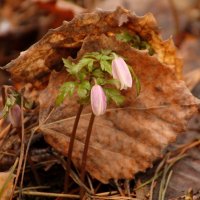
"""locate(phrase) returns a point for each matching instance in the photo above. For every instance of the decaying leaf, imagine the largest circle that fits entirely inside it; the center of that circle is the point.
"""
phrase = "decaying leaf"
(6, 185)
(36, 64)
(125, 140)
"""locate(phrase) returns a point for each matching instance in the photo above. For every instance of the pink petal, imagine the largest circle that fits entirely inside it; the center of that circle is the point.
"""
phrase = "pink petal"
(121, 72)
(98, 100)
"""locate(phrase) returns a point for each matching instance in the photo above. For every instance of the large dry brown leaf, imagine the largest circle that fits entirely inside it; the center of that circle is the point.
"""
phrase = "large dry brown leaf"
(36, 64)
(124, 141)
(127, 140)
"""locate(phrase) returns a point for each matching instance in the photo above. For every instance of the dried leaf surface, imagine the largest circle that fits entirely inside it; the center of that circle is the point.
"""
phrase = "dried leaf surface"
(125, 140)
(35, 65)
(6, 185)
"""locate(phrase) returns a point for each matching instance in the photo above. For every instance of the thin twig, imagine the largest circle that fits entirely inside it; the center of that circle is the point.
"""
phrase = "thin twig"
(48, 194)
(26, 155)
(33, 169)
(74, 176)
(85, 151)
(127, 187)
(166, 185)
(155, 176)
(32, 188)
(119, 188)
(70, 149)
(91, 185)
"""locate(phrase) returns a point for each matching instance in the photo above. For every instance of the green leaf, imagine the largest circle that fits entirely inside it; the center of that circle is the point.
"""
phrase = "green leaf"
(83, 89)
(81, 64)
(137, 84)
(114, 82)
(106, 66)
(136, 41)
(136, 79)
(114, 95)
(100, 81)
(145, 45)
(90, 65)
(11, 100)
(66, 89)
(69, 65)
(106, 52)
(98, 73)
(85, 84)
(105, 57)
(81, 75)
(94, 55)
(124, 37)
(82, 93)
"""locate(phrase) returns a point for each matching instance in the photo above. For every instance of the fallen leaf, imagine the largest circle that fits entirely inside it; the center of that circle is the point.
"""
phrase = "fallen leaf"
(125, 140)
(36, 64)
(6, 185)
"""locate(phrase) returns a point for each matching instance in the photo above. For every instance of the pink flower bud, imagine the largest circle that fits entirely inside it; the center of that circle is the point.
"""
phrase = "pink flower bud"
(98, 100)
(14, 116)
(121, 72)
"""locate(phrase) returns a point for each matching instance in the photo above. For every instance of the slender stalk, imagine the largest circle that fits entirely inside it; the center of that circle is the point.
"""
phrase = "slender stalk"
(26, 157)
(70, 149)
(85, 151)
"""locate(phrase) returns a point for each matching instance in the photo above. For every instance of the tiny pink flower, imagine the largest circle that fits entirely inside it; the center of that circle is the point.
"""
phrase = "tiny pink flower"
(14, 116)
(121, 72)
(98, 100)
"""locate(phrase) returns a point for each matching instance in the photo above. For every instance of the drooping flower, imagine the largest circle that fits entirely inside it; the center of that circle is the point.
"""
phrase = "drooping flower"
(120, 71)
(98, 100)
(14, 116)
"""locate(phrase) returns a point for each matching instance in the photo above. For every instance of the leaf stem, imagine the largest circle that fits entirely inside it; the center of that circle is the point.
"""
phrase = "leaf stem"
(70, 149)
(85, 151)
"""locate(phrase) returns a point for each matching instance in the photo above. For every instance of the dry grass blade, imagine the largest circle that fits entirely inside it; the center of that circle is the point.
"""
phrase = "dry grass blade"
(31, 188)
(90, 184)
(48, 194)
(165, 173)
(25, 157)
(155, 177)
(119, 188)
(166, 185)
(158, 169)
(73, 174)
(115, 197)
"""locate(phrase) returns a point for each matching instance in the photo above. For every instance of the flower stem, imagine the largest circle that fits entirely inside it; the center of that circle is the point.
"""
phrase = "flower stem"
(70, 149)
(85, 151)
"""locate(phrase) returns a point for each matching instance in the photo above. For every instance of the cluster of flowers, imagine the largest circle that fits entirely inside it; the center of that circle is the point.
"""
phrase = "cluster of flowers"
(120, 72)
